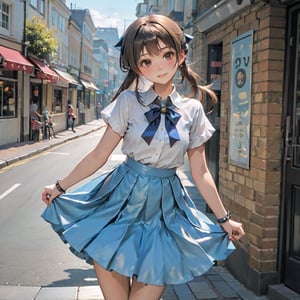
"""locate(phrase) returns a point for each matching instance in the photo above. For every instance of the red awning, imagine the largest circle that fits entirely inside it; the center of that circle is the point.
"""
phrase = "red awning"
(14, 60)
(44, 72)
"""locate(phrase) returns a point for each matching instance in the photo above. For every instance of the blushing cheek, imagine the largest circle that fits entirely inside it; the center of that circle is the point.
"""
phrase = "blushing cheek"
(171, 64)
(146, 72)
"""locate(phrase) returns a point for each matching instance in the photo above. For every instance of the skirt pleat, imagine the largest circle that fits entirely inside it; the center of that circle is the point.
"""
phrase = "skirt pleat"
(139, 221)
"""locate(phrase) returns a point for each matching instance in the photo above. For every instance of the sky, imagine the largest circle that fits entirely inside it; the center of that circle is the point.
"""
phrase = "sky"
(108, 13)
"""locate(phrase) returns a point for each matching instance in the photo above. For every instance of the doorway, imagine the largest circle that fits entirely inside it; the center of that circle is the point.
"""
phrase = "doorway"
(214, 73)
(290, 231)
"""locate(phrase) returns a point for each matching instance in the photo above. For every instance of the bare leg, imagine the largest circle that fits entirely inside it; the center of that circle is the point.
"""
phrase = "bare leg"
(113, 285)
(146, 292)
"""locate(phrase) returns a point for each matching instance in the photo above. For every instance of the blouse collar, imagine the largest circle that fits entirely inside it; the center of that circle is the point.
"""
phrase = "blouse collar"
(149, 96)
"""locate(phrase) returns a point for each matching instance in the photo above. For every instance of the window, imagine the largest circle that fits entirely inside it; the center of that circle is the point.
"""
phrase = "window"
(57, 106)
(74, 58)
(171, 5)
(4, 15)
(7, 98)
(53, 17)
(86, 32)
(61, 23)
(58, 51)
(42, 7)
(39, 5)
(57, 20)
(34, 3)
(87, 98)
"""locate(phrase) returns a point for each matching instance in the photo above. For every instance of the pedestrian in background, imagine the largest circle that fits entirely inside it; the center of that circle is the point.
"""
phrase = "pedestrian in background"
(136, 224)
(98, 110)
(81, 113)
(48, 124)
(36, 121)
(71, 117)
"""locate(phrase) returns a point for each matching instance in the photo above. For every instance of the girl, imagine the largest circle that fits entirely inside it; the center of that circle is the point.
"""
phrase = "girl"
(137, 224)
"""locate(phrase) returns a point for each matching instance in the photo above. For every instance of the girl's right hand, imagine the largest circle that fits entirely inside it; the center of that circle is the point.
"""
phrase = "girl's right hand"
(49, 194)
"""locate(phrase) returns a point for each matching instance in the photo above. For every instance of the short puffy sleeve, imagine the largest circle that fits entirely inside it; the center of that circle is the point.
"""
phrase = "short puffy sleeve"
(116, 114)
(201, 130)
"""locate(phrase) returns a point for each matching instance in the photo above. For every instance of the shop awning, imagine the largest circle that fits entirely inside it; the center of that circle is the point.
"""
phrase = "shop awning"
(44, 72)
(66, 77)
(89, 85)
(13, 60)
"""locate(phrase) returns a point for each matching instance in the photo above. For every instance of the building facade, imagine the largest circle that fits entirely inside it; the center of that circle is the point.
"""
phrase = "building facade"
(52, 85)
(112, 76)
(14, 122)
(86, 95)
(248, 50)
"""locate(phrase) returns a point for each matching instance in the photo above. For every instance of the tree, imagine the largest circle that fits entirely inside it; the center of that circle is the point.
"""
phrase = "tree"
(40, 39)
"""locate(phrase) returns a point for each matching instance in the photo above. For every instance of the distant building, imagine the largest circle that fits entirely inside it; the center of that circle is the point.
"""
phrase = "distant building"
(113, 77)
(89, 64)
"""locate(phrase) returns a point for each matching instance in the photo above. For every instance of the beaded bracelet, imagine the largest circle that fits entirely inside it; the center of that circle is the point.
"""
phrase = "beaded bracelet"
(225, 218)
(59, 188)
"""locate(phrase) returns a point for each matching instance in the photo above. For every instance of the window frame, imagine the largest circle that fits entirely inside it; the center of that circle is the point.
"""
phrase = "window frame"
(8, 99)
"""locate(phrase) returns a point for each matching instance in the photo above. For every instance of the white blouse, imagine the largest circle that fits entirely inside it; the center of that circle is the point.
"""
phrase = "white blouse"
(126, 116)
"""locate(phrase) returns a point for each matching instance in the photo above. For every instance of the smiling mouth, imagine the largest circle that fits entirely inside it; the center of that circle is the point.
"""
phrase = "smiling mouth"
(162, 75)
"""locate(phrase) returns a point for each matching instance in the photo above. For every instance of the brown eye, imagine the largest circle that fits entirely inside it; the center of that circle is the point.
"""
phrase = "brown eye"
(169, 55)
(145, 63)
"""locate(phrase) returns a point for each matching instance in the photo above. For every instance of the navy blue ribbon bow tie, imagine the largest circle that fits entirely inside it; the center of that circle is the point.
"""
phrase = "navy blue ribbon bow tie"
(171, 118)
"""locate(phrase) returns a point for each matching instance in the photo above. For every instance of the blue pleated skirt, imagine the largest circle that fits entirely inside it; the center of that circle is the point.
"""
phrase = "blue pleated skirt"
(139, 221)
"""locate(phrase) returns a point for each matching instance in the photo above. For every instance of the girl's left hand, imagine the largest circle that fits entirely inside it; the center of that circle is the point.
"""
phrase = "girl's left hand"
(234, 229)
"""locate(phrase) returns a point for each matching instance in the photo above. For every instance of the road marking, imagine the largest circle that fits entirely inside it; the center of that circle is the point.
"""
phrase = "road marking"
(11, 189)
(59, 153)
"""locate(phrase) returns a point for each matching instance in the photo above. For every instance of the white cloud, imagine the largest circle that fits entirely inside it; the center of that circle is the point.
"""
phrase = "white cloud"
(101, 20)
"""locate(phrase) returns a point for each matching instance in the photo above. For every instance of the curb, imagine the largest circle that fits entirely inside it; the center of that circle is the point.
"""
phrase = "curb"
(39, 148)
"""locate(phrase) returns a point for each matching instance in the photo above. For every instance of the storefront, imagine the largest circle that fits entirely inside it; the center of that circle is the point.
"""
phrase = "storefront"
(88, 98)
(8, 88)
(42, 88)
(15, 70)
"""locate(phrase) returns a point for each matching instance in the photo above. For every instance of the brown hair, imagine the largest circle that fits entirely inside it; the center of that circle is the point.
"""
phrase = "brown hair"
(146, 32)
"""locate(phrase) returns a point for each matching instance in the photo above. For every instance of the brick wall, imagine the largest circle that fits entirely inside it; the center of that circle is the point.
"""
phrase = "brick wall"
(253, 195)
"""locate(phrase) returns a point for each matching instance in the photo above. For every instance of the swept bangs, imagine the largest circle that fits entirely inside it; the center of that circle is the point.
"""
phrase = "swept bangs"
(146, 35)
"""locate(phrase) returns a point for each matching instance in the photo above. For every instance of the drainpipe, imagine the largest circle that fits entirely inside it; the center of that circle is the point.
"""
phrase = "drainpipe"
(22, 119)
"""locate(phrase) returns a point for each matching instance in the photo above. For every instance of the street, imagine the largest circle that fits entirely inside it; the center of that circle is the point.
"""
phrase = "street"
(31, 253)
(35, 264)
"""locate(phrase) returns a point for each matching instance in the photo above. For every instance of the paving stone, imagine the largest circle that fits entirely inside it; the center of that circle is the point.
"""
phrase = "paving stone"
(243, 292)
(169, 294)
(183, 292)
(214, 277)
(224, 289)
(202, 290)
(57, 293)
(18, 292)
(90, 293)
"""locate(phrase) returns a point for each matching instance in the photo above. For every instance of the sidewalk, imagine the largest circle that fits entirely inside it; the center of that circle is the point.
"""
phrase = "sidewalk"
(215, 284)
(12, 153)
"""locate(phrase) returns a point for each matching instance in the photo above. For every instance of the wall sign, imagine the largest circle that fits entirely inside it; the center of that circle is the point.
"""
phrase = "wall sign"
(240, 100)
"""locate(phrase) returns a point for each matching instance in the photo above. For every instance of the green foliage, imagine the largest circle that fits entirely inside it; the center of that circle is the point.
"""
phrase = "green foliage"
(42, 42)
